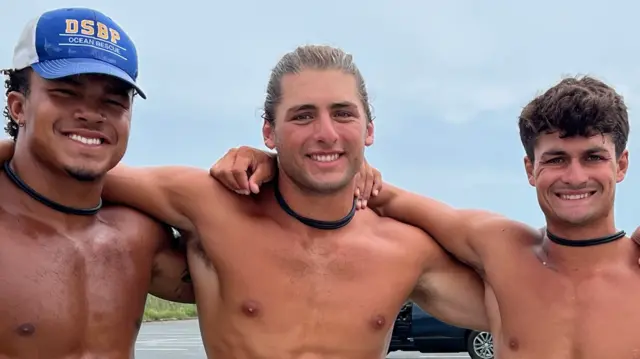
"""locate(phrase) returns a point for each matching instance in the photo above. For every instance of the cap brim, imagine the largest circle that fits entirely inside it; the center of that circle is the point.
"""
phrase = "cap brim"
(59, 68)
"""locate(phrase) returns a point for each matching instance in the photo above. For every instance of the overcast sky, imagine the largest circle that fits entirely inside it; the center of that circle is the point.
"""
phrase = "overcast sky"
(447, 80)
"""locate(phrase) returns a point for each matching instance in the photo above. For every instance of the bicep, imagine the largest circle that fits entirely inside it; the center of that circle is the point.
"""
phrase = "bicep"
(162, 192)
(452, 292)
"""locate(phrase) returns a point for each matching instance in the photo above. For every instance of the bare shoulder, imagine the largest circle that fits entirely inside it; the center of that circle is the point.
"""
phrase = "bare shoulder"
(401, 235)
(135, 227)
(498, 230)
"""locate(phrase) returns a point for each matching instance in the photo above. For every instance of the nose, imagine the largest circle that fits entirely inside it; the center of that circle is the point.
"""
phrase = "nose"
(89, 112)
(325, 130)
(575, 175)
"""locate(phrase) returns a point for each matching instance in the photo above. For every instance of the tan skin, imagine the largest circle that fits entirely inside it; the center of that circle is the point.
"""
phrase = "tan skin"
(268, 286)
(575, 293)
(545, 300)
(75, 286)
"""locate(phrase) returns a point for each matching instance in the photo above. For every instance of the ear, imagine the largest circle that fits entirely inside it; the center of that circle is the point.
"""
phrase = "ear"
(268, 135)
(623, 166)
(528, 167)
(16, 103)
(368, 140)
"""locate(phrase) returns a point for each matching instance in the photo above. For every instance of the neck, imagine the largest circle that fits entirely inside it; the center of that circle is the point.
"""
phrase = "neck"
(55, 186)
(601, 228)
(587, 257)
(318, 206)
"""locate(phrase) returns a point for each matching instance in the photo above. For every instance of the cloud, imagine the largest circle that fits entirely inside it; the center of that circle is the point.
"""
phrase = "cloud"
(447, 79)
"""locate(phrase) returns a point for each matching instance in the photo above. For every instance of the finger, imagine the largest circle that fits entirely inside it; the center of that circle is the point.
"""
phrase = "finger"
(241, 167)
(222, 170)
(636, 235)
(259, 176)
(377, 182)
(358, 190)
(224, 162)
(368, 187)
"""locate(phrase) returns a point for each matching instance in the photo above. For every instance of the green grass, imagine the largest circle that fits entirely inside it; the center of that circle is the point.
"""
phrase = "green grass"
(158, 309)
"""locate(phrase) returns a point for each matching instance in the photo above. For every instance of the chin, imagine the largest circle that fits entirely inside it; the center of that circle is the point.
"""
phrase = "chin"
(84, 174)
(576, 219)
(327, 187)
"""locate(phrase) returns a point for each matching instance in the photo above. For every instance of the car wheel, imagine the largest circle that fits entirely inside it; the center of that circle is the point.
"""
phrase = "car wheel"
(480, 345)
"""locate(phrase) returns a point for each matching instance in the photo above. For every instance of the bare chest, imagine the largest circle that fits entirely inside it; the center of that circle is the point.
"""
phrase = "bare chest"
(317, 289)
(547, 314)
(74, 283)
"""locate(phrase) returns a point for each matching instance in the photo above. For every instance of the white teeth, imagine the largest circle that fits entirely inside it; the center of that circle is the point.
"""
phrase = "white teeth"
(85, 140)
(575, 196)
(325, 158)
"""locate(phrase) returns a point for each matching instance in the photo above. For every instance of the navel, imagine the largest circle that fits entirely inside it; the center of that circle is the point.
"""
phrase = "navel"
(378, 322)
(250, 308)
(26, 330)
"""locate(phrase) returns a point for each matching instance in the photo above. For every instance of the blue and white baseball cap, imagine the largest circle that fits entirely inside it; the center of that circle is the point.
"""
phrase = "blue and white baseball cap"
(75, 41)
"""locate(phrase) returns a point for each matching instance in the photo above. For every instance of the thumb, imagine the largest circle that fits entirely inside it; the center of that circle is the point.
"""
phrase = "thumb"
(258, 177)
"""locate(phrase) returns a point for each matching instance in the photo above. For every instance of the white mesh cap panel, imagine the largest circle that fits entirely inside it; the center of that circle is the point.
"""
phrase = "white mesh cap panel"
(25, 53)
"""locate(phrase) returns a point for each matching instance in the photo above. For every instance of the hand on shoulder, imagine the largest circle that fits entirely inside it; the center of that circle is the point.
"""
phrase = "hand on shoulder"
(244, 169)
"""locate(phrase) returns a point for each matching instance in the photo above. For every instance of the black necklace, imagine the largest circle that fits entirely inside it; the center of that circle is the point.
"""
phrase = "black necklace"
(47, 202)
(313, 222)
(585, 242)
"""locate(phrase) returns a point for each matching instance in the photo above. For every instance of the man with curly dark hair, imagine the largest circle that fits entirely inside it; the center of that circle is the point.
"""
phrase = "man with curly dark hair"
(74, 275)
(568, 291)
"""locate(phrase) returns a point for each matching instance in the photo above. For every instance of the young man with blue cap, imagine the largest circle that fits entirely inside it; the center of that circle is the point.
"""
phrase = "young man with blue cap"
(75, 274)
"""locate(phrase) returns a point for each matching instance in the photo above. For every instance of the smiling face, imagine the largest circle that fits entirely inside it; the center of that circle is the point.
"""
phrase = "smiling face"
(575, 177)
(79, 124)
(320, 129)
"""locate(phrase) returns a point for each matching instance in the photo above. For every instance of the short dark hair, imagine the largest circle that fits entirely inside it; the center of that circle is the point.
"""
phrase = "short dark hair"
(17, 80)
(577, 106)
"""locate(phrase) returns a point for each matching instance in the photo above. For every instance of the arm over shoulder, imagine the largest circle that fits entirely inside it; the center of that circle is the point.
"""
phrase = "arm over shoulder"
(464, 233)
(170, 194)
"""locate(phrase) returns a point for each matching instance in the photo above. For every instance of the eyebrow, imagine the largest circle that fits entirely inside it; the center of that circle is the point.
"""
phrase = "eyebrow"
(559, 152)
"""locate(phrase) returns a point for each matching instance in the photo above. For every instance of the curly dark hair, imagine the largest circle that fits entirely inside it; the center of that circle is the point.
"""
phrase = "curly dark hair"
(576, 107)
(17, 80)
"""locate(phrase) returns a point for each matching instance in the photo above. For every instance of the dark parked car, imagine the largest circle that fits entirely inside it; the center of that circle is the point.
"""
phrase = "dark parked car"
(416, 330)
